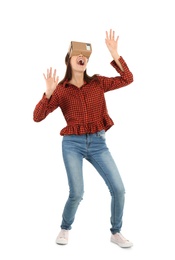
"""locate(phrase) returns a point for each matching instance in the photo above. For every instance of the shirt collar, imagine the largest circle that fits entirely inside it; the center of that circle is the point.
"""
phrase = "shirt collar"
(67, 84)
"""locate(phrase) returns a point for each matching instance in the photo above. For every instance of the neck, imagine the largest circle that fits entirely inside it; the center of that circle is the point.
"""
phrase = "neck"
(77, 80)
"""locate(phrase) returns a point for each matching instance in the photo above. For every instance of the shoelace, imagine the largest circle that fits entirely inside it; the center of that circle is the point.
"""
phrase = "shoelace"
(122, 237)
(63, 234)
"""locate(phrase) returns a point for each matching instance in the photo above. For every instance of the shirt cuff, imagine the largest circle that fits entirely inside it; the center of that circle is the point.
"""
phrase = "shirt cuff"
(123, 63)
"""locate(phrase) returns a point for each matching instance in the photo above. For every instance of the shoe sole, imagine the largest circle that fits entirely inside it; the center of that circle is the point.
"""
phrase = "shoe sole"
(61, 242)
(121, 245)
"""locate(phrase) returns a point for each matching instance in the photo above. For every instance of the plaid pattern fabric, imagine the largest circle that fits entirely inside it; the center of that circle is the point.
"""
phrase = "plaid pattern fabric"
(84, 108)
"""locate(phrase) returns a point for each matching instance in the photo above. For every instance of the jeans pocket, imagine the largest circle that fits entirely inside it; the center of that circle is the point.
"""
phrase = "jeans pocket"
(101, 134)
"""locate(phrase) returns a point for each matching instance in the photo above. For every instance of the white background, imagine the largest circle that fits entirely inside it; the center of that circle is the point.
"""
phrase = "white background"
(33, 186)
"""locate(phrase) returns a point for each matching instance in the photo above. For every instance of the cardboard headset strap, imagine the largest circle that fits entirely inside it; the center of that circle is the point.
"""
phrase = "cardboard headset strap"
(77, 48)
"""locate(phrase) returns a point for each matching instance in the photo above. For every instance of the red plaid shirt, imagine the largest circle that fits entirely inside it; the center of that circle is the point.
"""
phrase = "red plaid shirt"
(84, 108)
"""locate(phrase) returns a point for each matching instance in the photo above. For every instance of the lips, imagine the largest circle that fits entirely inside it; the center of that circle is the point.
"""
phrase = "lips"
(80, 61)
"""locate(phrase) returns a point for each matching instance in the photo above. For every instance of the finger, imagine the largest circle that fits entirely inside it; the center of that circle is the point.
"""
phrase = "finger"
(113, 35)
(44, 76)
(57, 78)
(50, 71)
(117, 38)
(106, 35)
(110, 34)
(54, 74)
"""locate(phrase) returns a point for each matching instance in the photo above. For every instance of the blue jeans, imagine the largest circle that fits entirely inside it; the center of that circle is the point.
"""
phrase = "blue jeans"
(93, 148)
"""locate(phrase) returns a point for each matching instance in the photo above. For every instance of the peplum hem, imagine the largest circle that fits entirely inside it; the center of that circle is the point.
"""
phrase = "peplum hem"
(89, 128)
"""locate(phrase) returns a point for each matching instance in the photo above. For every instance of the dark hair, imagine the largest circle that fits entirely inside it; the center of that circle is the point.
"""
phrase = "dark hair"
(68, 74)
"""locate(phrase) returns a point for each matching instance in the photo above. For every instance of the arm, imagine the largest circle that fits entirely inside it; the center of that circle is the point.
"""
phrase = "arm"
(126, 76)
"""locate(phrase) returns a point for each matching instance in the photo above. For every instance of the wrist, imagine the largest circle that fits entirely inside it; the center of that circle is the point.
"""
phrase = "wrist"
(115, 56)
(48, 94)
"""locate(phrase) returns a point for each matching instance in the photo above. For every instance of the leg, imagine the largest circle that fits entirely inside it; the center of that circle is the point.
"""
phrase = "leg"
(102, 160)
(73, 161)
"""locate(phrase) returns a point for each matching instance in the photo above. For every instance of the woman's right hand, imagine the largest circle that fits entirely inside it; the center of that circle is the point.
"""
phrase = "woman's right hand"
(51, 82)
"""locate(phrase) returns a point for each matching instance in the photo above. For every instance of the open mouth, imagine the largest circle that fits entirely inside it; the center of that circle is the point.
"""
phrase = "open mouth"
(80, 61)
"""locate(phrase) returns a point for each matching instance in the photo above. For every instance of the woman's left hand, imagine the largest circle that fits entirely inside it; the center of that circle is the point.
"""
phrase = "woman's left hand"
(112, 45)
(111, 42)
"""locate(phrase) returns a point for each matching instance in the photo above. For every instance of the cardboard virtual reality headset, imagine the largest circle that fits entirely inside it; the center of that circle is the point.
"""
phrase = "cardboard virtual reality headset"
(77, 48)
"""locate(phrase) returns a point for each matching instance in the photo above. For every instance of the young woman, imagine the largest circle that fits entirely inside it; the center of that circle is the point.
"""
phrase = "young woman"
(82, 102)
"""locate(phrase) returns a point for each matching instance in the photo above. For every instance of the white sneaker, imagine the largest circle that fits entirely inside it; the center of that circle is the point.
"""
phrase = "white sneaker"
(62, 238)
(120, 240)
